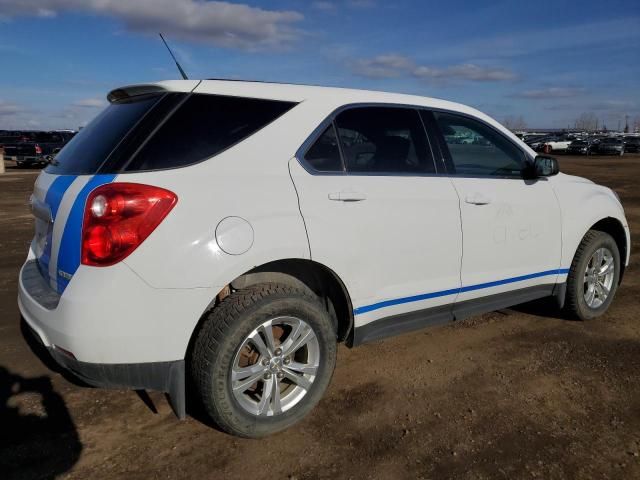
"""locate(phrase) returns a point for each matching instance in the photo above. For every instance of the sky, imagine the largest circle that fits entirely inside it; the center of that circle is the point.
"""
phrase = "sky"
(547, 61)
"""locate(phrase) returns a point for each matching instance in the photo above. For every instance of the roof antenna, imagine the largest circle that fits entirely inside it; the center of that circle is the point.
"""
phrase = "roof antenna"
(184, 75)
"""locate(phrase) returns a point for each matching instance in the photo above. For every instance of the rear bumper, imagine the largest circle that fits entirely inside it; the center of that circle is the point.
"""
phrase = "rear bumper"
(110, 316)
(166, 377)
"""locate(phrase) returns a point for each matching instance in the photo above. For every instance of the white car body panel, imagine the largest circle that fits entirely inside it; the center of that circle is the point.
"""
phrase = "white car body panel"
(383, 259)
(404, 241)
(583, 204)
(516, 234)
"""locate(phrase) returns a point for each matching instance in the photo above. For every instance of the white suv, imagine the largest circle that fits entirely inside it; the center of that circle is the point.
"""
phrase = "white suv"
(225, 236)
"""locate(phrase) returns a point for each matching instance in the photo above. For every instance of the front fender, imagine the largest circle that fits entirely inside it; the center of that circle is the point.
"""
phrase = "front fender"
(582, 205)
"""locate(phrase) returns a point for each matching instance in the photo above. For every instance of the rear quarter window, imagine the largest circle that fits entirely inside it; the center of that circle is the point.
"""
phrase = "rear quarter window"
(203, 126)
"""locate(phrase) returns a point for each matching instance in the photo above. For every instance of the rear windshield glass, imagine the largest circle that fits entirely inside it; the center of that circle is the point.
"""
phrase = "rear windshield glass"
(164, 131)
(88, 150)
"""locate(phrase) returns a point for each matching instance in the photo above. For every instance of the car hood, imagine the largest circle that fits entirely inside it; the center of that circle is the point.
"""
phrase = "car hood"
(564, 178)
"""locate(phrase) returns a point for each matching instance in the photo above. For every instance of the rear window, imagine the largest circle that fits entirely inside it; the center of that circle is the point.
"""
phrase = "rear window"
(164, 131)
(89, 149)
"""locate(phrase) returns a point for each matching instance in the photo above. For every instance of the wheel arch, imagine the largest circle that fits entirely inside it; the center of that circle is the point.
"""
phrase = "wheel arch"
(614, 227)
(300, 273)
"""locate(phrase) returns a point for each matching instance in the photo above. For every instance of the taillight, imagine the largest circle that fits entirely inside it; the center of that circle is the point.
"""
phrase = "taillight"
(38, 149)
(118, 217)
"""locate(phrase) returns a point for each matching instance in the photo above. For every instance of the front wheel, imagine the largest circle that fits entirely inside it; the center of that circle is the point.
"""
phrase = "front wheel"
(263, 359)
(593, 278)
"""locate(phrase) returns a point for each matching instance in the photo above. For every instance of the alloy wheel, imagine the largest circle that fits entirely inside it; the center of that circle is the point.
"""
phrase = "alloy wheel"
(598, 277)
(275, 366)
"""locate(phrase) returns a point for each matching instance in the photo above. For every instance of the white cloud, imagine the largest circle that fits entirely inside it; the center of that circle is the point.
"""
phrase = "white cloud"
(465, 71)
(383, 66)
(550, 92)
(8, 109)
(221, 23)
(91, 103)
(324, 6)
(393, 65)
(361, 3)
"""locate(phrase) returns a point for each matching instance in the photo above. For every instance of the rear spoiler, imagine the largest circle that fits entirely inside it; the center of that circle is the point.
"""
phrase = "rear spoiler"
(133, 91)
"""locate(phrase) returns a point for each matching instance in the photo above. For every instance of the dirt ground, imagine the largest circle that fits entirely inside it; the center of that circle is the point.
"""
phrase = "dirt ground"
(519, 393)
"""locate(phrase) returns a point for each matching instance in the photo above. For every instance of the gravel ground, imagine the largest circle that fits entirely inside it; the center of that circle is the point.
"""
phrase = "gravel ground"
(519, 393)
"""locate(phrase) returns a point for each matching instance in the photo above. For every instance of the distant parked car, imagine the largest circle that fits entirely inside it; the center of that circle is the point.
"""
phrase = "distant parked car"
(537, 142)
(611, 146)
(631, 144)
(555, 144)
(552, 143)
(582, 147)
(37, 148)
(8, 137)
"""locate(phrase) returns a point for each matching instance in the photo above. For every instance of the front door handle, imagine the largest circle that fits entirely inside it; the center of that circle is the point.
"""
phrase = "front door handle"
(347, 196)
(477, 199)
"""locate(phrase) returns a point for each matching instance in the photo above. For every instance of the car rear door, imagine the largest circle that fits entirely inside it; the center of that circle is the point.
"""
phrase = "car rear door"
(379, 215)
(511, 226)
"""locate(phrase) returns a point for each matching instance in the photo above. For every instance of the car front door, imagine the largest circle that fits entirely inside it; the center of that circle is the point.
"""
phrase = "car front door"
(378, 214)
(511, 225)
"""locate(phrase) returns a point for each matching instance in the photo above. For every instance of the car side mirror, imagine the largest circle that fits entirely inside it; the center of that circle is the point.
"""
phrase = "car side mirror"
(544, 166)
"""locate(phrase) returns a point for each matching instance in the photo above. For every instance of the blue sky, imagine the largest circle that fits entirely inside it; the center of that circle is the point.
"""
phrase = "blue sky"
(548, 61)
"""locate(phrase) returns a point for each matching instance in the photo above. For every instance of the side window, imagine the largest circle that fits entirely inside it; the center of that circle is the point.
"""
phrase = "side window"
(477, 149)
(203, 126)
(384, 140)
(324, 154)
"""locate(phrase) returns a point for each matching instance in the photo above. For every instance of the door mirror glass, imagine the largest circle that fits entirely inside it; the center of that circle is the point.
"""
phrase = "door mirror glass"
(544, 166)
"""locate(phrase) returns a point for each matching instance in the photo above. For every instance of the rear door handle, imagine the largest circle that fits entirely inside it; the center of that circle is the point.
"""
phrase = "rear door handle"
(477, 199)
(347, 196)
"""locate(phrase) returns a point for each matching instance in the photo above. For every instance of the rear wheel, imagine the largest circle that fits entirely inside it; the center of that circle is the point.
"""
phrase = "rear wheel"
(263, 359)
(593, 277)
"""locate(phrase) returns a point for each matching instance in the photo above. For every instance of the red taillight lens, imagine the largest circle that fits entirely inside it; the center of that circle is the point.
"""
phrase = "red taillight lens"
(118, 217)
(38, 149)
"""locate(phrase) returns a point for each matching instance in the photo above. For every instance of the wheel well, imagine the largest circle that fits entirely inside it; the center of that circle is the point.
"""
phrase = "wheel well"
(614, 228)
(306, 274)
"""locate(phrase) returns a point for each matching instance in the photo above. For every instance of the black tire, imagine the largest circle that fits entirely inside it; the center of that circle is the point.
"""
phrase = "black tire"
(575, 303)
(222, 334)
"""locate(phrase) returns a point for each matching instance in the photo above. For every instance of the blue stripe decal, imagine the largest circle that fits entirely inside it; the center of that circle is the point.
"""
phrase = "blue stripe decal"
(71, 243)
(53, 199)
(454, 291)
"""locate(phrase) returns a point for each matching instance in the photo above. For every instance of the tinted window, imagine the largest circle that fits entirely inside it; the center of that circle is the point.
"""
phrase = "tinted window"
(324, 155)
(85, 153)
(384, 140)
(202, 127)
(477, 149)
